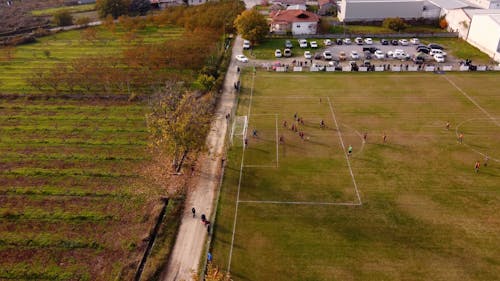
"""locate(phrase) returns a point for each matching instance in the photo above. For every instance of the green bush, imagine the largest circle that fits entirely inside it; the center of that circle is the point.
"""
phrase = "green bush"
(396, 24)
(63, 18)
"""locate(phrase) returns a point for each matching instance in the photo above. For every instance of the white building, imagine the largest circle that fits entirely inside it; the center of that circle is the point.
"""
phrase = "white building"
(295, 21)
(487, 4)
(484, 33)
(372, 10)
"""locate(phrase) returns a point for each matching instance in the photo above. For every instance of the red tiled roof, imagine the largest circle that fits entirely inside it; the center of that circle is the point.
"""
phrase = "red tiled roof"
(294, 16)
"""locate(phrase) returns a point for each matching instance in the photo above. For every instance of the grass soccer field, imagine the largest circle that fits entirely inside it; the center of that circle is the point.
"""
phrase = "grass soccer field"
(409, 208)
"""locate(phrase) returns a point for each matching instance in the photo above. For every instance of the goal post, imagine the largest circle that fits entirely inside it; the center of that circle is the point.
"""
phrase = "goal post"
(239, 128)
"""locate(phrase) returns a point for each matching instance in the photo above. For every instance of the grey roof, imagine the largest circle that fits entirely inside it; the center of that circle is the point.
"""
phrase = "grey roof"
(472, 12)
(452, 4)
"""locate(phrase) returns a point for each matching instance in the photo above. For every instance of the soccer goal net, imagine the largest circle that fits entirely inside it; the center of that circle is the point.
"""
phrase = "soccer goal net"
(239, 128)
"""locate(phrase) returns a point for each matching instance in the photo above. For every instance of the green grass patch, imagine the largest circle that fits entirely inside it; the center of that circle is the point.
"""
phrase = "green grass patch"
(425, 211)
(71, 9)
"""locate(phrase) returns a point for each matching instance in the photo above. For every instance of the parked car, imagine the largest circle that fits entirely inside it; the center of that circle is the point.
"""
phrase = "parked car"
(359, 40)
(384, 41)
(307, 55)
(303, 43)
(418, 60)
(317, 56)
(398, 54)
(379, 54)
(338, 41)
(394, 42)
(367, 63)
(435, 46)
(241, 58)
(370, 49)
(288, 44)
(403, 42)
(354, 55)
(439, 58)
(423, 49)
(277, 53)
(368, 41)
(327, 55)
(368, 55)
(342, 56)
(314, 44)
(246, 44)
(327, 42)
(414, 41)
(347, 41)
(437, 51)
(287, 53)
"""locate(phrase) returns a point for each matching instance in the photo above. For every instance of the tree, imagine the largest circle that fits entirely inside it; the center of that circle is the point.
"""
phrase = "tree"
(179, 121)
(63, 18)
(396, 24)
(213, 273)
(443, 23)
(139, 7)
(252, 25)
(115, 8)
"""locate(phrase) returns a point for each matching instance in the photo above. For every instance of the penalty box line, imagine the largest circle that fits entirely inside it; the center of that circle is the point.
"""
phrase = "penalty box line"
(344, 151)
(301, 203)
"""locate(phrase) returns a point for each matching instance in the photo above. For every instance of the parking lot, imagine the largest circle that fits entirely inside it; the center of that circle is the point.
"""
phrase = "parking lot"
(410, 49)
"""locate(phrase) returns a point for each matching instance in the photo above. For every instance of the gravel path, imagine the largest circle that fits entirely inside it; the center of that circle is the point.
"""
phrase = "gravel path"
(188, 247)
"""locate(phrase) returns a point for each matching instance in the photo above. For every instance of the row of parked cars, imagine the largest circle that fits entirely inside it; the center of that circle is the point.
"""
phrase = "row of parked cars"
(303, 43)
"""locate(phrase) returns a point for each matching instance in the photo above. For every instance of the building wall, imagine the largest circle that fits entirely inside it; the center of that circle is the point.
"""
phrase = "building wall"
(430, 11)
(304, 28)
(484, 35)
(487, 4)
(379, 10)
(458, 21)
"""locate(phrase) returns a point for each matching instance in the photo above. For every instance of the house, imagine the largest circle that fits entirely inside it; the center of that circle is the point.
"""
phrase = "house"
(287, 3)
(326, 7)
(484, 33)
(295, 21)
(378, 10)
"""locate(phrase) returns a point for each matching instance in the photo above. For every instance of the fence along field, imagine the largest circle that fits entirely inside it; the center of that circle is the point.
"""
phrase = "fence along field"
(75, 203)
(425, 213)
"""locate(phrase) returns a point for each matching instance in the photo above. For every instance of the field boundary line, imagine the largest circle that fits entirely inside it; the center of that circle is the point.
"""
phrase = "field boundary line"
(277, 143)
(472, 100)
(239, 181)
(344, 151)
(300, 202)
(259, 166)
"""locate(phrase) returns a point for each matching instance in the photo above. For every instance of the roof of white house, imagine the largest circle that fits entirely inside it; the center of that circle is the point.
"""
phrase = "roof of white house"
(453, 4)
(472, 12)
(381, 1)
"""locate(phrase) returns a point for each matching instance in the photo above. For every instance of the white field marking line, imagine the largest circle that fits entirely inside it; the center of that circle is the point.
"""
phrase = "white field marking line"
(259, 166)
(343, 151)
(239, 181)
(264, 114)
(300, 203)
(473, 149)
(277, 148)
(473, 101)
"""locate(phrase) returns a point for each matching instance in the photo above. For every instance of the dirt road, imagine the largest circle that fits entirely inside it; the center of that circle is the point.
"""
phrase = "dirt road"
(192, 233)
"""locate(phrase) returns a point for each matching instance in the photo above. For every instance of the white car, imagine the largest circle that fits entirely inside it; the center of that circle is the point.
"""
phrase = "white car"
(327, 42)
(246, 44)
(327, 55)
(347, 41)
(379, 54)
(307, 55)
(354, 55)
(287, 52)
(359, 40)
(314, 44)
(415, 41)
(241, 58)
(403, 42)
(368, 41)
(439, 58)
(277, 53)
(437, 51)
(303, 43)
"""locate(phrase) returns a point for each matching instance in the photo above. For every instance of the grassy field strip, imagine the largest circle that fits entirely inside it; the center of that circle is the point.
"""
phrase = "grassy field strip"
(495, 120)
(74, 157)
(59, 191)
(345, 152)
(65, 172)
(70, 9)
(71, 142)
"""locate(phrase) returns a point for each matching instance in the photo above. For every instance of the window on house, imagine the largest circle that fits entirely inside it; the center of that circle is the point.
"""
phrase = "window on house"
(298, 25)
